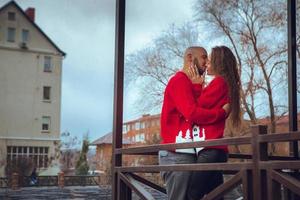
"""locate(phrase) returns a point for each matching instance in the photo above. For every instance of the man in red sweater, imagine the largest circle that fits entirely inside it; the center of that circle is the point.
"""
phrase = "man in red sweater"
(179, 110)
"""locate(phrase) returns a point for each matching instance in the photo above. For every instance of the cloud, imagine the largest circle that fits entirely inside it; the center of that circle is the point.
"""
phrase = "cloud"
(85, 30)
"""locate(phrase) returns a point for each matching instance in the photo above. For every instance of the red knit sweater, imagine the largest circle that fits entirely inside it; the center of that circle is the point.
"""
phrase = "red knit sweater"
(214, 96)
(180, 109)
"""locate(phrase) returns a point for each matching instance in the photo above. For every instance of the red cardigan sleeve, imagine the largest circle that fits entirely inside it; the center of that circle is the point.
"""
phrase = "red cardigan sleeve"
(181, 92)
(197, 89)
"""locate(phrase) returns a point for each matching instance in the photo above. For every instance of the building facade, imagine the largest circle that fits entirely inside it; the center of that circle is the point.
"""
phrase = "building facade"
(30, 92)
(103, 155)
(144, 130)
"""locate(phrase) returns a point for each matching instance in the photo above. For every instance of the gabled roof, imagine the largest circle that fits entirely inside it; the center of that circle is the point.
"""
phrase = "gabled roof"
(107, 139)
(13, 3)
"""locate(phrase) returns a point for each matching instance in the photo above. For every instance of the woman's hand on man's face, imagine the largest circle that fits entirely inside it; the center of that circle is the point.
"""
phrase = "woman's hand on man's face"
(194, 75)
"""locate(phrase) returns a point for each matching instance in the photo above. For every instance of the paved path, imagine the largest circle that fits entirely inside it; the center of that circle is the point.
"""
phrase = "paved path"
(75, 192)
(51, 193)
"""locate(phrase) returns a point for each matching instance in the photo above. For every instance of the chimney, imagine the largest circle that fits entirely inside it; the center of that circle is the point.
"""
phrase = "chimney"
(30, 12)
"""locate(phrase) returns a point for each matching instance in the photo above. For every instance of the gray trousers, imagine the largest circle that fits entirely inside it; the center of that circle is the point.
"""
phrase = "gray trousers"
(176, 181)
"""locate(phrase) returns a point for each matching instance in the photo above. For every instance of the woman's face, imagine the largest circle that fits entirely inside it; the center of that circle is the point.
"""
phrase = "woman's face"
(208, 66)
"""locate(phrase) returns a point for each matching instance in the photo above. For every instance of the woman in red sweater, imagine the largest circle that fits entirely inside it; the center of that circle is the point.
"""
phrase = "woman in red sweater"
(221, 85)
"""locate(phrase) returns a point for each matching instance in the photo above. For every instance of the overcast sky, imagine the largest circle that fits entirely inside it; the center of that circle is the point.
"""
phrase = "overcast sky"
(84, 29)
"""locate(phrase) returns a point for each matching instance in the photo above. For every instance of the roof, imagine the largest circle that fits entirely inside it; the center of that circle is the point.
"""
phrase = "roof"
(279, 120)
(107, 139)
(144, 118)
(13, 3)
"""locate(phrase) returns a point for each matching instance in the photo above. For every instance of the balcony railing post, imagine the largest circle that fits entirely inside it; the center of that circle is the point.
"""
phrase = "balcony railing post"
(247, 185)
(124, 191)
(260, 153)
(118, 100)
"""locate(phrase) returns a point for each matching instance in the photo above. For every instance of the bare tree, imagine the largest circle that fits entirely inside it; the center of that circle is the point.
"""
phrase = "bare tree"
(69, 153)
(152, 66)
(257, 33)
(250, 26)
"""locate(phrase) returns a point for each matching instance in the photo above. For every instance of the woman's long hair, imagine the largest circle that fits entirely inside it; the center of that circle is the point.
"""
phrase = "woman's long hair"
(223, 63)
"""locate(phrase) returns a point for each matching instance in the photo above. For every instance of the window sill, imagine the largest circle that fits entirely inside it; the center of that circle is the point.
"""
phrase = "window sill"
(46, 101)
(45, 131)
(48, 71)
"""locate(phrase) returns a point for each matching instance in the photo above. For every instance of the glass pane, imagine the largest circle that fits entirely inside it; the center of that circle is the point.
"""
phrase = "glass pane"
(25, 150)
(14, 149)
(25, 35)
(41, 150)
(11, 34)
(46, 93)
(9, 149)
(47, 64)
(11, 16)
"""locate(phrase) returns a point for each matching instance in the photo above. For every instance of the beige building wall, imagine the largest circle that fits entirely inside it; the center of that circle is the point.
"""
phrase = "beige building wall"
(22, 79)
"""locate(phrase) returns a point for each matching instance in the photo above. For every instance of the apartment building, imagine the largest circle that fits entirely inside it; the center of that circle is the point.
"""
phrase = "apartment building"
(30, 92)
(145, 129)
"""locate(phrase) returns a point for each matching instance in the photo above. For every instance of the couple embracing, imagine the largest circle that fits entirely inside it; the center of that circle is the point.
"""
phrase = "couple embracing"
(197, 101)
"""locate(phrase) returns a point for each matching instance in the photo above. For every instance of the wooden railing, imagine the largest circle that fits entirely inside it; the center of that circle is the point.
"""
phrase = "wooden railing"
(41, 181)
(81, 180)
(260, 173)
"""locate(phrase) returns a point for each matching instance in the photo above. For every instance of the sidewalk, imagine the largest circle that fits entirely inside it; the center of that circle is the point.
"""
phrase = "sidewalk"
(51, 193)
(72, 192)
(76, 192)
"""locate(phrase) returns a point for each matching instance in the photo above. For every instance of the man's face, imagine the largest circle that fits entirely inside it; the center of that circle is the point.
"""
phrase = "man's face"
(200, 59)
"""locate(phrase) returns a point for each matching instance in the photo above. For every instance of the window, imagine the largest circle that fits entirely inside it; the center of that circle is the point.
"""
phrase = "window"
(11, 16)
(137, 138)
(25, 35)
(11, 34)
(137, 126)
(153, 123)
(142, 125)
(46, 93)
(140, 137)
(47, 64)
(124, 129)
(39, 157)
(46, 124)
